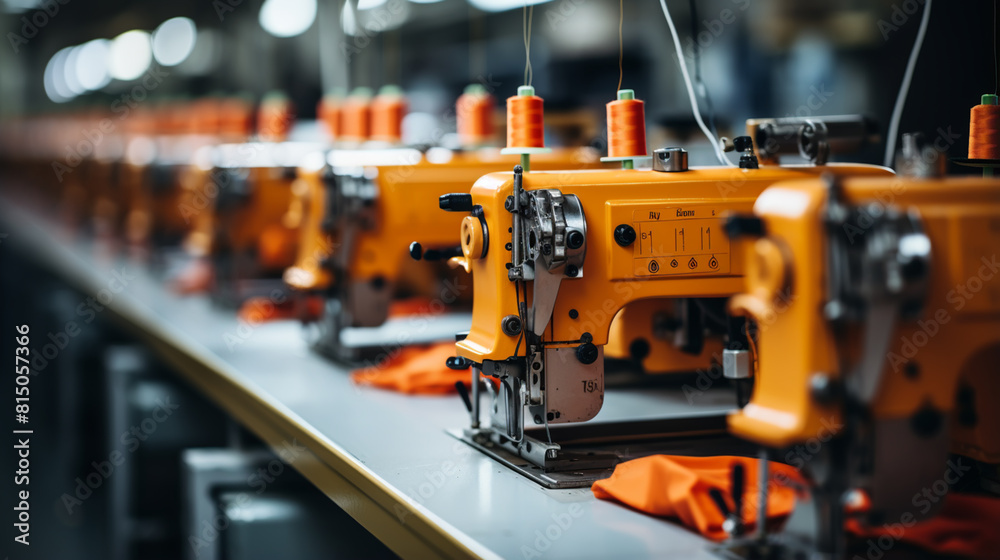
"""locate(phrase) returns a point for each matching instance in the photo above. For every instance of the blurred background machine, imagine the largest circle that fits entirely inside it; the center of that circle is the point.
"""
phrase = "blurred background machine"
(361, 208)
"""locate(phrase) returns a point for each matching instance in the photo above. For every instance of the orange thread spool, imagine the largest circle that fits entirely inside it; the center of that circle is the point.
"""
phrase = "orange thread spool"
(330, 113)
(236, 119)
(474, 113)
(984, 129)
(356, 116)
(274, 119)
(387, 113)
(626, 126)
(525, 119)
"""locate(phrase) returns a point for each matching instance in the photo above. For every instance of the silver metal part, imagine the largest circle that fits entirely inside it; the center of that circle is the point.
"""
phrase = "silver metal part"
(553, 221)
(877, 275)
(574, 391)
(670, 160)
(919, 159)
(814, 138)
(736, 364)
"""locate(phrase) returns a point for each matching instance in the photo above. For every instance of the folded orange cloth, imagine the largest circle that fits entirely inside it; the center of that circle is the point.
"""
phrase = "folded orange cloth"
(416, 370)
(678, 487)
(967, 526)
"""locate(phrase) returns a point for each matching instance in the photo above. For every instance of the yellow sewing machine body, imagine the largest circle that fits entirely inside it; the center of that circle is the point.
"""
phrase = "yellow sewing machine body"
(407, 185)
(679, 251)
(947, 355)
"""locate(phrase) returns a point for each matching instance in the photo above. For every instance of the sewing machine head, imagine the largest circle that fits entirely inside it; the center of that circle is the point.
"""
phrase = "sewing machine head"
(556, 255)
(242, 194)
(349, 250)
(877, 307)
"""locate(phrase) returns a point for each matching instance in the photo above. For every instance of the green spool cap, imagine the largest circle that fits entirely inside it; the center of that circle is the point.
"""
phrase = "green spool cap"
(990, 99)
(361, 92)
(475, 89)
(526, 91)
(391, 90)
(626, 94)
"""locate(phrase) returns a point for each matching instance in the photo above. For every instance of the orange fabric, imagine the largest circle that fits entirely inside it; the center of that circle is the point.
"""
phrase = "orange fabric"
(412, 306)
(966, 526)
(678, 487)
(415, 370)
(261, 309)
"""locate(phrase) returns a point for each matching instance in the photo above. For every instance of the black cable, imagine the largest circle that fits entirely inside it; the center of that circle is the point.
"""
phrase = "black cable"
(700, 88)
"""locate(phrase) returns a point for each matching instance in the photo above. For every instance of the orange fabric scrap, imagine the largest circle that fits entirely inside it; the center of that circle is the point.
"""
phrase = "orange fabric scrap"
(417, 370)
(678, 487)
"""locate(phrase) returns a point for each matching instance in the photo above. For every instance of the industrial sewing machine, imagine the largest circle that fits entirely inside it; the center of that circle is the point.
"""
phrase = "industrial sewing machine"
(876, 303)
(353, 255)
(556, 255)
(242, 231)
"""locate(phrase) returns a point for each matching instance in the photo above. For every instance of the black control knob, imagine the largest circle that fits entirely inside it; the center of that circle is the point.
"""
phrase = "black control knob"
(744, 225)
(624, 235)
(417, 253)
(455, 202)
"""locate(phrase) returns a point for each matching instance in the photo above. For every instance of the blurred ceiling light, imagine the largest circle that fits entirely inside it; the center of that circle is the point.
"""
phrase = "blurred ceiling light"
(287, 18)
(369, 4)
(425, 1)
(55, 77)
(205, 55)
(18, 6)
(69, 70)
(503, 5)
(348, 22)
(92, 64)
(131, 55)
(174, 40)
